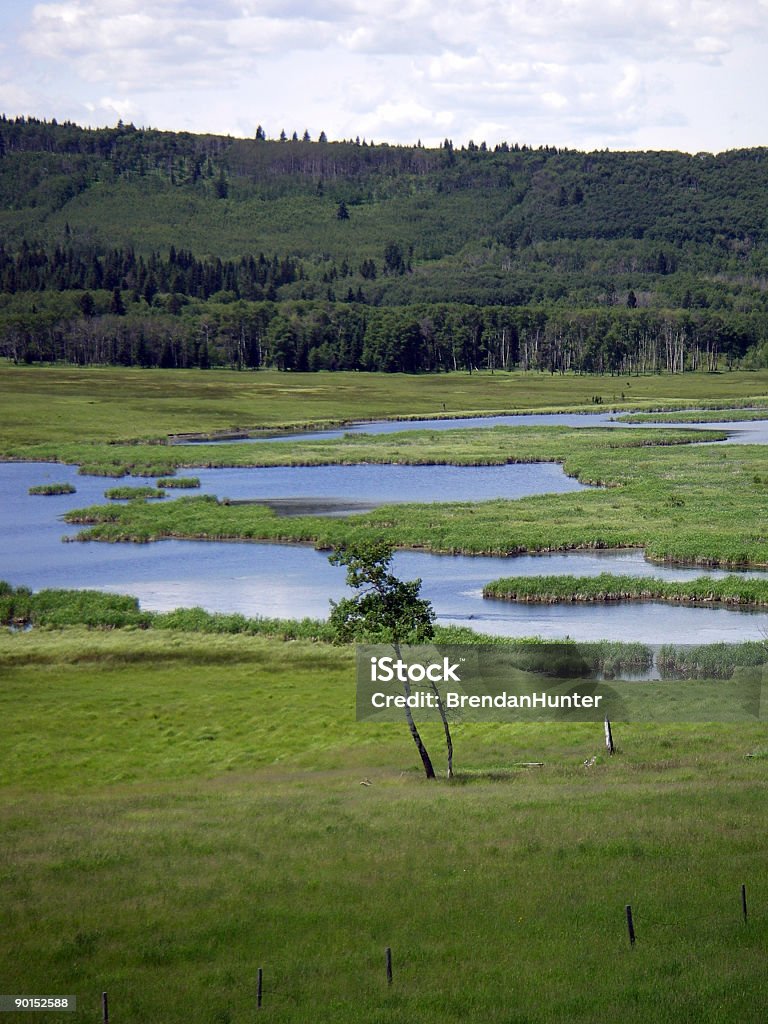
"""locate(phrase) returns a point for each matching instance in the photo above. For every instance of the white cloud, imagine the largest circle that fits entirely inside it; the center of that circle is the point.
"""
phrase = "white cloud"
(554, 100)
(15, 97)
(631, 82)
(113, 109)
(561, 71)
(403, 113)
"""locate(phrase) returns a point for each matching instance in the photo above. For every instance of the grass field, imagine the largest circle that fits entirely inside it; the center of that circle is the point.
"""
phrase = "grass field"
(179, 811)
(109, 404)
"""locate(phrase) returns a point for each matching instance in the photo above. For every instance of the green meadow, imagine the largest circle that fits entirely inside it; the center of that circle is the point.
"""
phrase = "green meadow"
(184, 802)
(110, 404)
(181, 810)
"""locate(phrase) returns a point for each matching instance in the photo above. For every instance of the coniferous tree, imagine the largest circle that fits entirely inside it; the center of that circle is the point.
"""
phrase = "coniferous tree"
(116, 304)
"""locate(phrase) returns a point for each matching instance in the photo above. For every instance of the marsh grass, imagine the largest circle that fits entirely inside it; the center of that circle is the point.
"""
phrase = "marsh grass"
(711, 661)
(65, 488)
(697, 416)
(732, 592)
(179, 482)
(133, 493)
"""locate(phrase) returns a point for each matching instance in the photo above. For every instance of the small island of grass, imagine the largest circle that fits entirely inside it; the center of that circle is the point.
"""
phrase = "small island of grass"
(730, 591)
(53, 489)
(133, 493)
(179, 482)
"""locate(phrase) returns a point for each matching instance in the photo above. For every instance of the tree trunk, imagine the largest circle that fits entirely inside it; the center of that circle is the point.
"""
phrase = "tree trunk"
(429, 771)
(426, 760)
(423, 753)
(446, 730)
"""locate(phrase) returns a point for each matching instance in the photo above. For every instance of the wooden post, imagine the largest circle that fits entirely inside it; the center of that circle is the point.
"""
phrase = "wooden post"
(630, 925)
(259, 988)
(744, 902)
(609, 738)
(388, 955)
(104, 1008)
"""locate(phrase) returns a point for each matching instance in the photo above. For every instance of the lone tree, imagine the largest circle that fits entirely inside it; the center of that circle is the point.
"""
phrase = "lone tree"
(385, 609)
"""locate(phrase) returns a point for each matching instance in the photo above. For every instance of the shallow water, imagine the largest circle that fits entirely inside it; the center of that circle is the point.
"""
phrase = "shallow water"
(739, 431)
(382, 484)
(398, 426)
(296, 581)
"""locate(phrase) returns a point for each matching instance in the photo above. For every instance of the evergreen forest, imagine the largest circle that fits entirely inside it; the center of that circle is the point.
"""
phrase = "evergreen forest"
(139, 247)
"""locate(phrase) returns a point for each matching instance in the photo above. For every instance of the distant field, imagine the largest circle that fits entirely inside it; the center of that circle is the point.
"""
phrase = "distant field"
(73, 404)
(179, 811)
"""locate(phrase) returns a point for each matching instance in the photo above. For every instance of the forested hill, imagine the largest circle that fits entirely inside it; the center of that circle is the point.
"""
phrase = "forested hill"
(167, 248)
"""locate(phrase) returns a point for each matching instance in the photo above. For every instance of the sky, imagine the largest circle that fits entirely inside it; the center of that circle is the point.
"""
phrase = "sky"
(689, 75)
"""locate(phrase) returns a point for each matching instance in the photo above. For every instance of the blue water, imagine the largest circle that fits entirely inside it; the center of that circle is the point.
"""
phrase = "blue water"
(383, 484)
(398, 426)
(739, 431)
(297, 581)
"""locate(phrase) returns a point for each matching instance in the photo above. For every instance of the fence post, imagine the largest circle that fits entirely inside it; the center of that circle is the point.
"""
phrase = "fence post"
(259, 988)
(388, 955)
(744, 902)
(104, 1008)
(609, 738)
(630, 925)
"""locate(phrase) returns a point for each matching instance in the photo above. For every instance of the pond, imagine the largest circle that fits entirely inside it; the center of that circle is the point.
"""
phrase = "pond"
(297, 581)
(342, 489)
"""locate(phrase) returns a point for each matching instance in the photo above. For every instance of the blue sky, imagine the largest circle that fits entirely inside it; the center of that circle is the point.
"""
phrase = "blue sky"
(587, 74)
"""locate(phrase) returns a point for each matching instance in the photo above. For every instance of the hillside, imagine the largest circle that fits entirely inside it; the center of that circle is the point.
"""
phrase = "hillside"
(164, 248)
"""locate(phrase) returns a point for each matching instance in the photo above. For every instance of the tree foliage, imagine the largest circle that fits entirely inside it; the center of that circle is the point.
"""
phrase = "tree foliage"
(385, 609)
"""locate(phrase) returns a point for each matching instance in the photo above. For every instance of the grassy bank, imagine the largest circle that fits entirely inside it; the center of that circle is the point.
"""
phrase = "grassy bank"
(733, 591)
(696, 416)
(179, 810)
(21, 608)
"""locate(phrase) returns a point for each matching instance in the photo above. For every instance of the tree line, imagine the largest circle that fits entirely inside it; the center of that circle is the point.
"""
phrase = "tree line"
(66, 268)
(311, 336)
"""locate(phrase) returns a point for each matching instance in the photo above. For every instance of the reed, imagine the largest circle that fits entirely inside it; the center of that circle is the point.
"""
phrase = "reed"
(65, 488)
(731, 591)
